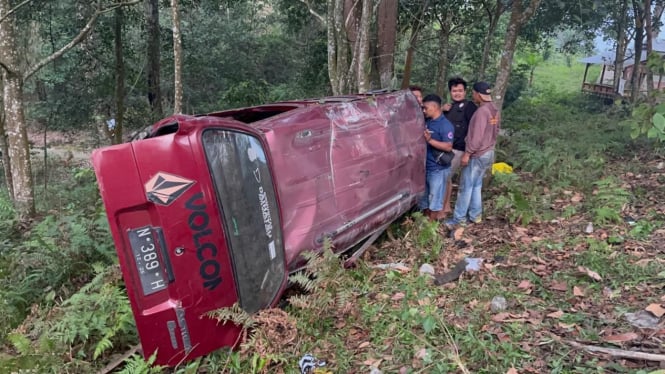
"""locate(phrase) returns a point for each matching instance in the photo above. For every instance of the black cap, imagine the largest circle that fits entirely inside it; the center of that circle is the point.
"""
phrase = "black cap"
(483, 90)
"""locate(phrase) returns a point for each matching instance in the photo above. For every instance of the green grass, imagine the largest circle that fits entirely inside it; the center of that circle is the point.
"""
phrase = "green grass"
(558, 77)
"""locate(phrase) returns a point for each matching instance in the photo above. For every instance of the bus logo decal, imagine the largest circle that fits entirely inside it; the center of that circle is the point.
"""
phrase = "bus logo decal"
(165, 188)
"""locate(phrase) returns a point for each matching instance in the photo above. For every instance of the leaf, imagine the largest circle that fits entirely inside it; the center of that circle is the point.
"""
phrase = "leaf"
(558, 314)
(559, 286)
(652, 133)
(363, 345)
(592, 274)
(620, 338)
(576, 198)
(656, 309)
(659, 122)
(525, 285)
(398, 296)
(429, 323)
(512, 371)
(578, 291)
(500, 317)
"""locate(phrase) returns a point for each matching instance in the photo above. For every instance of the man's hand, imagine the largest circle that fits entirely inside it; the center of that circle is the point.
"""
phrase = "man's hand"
(428, 135)
(446, 107)
(465, 159)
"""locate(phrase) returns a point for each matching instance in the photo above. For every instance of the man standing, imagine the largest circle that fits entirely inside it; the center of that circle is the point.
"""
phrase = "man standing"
(459, 113)
(439, 135)
(478, 156)
(418, 93)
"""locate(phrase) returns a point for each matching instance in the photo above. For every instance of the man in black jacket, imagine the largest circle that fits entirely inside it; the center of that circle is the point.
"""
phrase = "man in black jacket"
(459, 113)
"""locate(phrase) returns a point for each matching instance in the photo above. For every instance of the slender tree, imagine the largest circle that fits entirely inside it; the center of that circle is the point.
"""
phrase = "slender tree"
(119, 77)
(386, 39)
(177, 59)
(14, 74)
(636, 77)
(520, 14)
(493, 10)
(151, 11)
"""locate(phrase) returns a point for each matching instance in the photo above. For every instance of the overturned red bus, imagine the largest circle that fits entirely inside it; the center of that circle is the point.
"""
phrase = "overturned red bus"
(216, 209)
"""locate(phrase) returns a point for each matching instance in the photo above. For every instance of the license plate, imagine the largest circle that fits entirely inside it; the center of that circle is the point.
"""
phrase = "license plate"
(146, 256)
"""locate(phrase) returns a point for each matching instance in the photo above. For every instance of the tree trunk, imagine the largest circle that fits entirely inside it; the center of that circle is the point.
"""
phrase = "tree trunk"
(17, 143)
(362, 61)
(338, 48)
(657, 14)
(518, 17)
(119, 78)
(635, 79)
(444, 40)
(177, 59)
(493, 16)
(153, 57)
(5, 150)
(620, 53)
(387, 37)
(15, 125)
(416, 26)
(649, 33)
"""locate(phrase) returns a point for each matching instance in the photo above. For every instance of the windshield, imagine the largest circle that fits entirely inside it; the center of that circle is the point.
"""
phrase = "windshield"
(251, 220)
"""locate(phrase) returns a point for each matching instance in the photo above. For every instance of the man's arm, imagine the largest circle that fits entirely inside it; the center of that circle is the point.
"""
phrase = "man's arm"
(441, 146)
(476, 132)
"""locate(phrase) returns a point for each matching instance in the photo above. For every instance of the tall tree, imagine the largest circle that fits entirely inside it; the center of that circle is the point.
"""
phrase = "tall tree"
(416, 23)
(119, 77)
(493, 10)
(387, 37)
(14, 74)
(363, 47)
(177, 59)
(4, 149)
(521, 13)
(151, 11)
(636, 77)
(648, 29)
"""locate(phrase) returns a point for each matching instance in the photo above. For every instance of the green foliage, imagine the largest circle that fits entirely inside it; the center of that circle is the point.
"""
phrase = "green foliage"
(427, 236)
(608, 201)
(55, 256)
(137, 365)
(515, 200)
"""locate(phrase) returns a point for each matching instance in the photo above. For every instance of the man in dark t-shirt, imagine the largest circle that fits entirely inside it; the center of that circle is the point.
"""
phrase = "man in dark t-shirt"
(459, 113)
(439, 136)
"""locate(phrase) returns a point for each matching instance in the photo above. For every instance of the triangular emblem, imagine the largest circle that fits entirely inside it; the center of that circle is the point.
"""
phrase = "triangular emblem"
(165, 188)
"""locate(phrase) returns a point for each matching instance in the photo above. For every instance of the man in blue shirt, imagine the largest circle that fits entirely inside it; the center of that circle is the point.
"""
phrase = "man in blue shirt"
(439, 136)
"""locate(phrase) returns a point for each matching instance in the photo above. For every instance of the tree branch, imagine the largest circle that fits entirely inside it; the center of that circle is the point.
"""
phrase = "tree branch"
(2, 65)
(313, 12)
(77, 39)
(13, 10)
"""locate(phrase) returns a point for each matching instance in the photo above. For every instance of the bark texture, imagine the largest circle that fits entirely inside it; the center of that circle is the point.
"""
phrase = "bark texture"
(444, 41)
(520, 15)
(151, 8)
(648, 29)
(363, 62)
(416, 26)
(620, 54)
(636, 77)
(119, 78)
(387, 37)
(177, 59)
(15, 125)
(494, 10)
(5, 150)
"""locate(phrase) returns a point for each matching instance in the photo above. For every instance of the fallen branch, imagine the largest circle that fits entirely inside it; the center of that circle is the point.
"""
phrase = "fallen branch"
(115, 363)
(618, 352)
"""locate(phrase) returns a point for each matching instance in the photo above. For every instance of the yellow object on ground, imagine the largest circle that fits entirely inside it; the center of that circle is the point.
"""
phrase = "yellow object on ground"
(501, 167)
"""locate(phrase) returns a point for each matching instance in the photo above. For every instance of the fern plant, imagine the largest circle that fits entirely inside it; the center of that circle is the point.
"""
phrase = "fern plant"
(609, 201)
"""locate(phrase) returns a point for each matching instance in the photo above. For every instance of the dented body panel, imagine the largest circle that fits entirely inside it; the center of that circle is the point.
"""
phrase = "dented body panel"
(217, 209)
